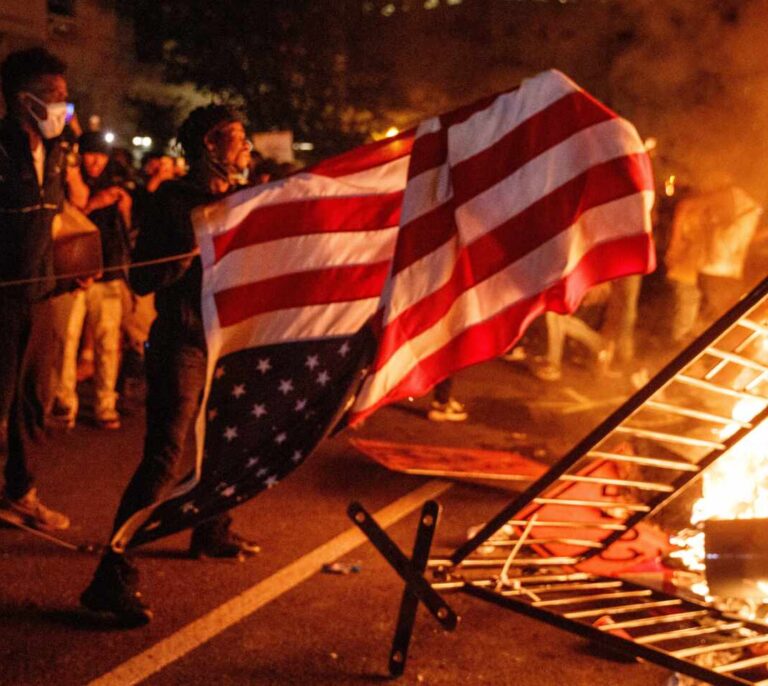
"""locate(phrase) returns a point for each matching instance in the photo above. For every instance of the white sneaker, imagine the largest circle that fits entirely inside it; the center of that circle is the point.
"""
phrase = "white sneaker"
(32, 512)
(452, 411)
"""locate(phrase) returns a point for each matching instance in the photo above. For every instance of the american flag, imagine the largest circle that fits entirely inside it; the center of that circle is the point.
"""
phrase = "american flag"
(447, 240)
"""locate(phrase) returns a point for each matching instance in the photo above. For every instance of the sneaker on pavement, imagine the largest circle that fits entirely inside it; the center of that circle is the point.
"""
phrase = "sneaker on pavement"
(109, 420)
(32, 512)
(451, 411)
(227, 544)
(545, 370)
(62, 416)
(114, 591)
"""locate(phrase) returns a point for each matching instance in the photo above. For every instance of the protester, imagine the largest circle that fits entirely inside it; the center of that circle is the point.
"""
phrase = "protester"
(444, 407)
(33, 179)
(711, 234)
(214, 142)
(109, 207)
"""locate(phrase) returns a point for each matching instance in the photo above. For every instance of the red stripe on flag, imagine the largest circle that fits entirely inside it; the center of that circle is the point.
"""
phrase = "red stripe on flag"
(365, 157)
(429, 151)
(492, 337)
(312, 216)
(487, 168)
(552, 125)
(301, 289)
(517, 237)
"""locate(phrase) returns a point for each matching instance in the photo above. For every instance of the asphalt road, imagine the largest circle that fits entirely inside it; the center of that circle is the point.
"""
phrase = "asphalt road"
(277, 619)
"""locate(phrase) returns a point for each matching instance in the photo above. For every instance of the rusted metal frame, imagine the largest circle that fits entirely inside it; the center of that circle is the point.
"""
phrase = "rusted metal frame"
(405, 569)
(606, 639)
(580, 542)
(610, 481)
(669, 408)
(623, 609)
(715, 388)
(663, 437)
(755, 332)
(593, 438)
(657, 462)
(691, 632)
(715, 647)
(735, 358)
(659, 501)
(410, 602)
(594, 597)
(591, 504)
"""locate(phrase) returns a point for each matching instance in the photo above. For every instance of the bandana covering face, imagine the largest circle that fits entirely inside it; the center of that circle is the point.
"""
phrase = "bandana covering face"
(55, 118)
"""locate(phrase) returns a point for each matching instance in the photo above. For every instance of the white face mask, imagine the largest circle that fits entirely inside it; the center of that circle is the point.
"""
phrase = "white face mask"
(56, 117)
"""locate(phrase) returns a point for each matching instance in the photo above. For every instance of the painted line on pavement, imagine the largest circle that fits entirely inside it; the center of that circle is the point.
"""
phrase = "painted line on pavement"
(194, 634)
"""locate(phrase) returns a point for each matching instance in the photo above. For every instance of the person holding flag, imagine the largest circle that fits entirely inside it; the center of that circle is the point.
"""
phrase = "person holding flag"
(215, 143)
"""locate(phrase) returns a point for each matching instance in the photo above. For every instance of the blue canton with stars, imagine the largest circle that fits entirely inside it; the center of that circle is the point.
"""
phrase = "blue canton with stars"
(267, 410)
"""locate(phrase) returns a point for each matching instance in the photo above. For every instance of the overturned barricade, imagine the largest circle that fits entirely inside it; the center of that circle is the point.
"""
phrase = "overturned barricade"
(711, 396)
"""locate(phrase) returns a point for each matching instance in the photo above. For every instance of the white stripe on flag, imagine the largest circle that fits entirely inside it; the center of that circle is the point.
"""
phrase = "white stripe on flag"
(300, 254)
(522, 279)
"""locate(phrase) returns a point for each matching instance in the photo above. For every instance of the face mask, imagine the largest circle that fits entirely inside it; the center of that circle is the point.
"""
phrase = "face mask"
(56, 117)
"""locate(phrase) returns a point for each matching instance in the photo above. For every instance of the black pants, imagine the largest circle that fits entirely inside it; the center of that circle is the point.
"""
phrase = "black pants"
(15, 328)
(175, 383)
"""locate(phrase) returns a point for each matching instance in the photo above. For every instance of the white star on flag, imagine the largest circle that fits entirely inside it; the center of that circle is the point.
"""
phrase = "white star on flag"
(344, 349)
(286, 386)
(230, 433)
(228, 492)
(323, 378)
(259, 410)
(296, 457)
(300, 405)
(219, 371)
(238, 390)
(252, 462)
(264, 365)
(281, 438)
(262, 471)
(212, 414)
(189, 507)
(312, 362)
(271, 481)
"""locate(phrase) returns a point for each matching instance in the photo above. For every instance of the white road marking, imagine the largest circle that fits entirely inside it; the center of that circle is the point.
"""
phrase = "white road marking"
(177, 645)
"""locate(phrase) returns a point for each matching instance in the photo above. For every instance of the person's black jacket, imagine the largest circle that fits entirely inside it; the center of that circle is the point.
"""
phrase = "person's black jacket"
(27, 211)
(115, 241)
(166, 230)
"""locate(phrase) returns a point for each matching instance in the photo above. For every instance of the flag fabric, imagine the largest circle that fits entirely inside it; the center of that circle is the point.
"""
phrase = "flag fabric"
(292, 270)
(513, 206)
(448, 240)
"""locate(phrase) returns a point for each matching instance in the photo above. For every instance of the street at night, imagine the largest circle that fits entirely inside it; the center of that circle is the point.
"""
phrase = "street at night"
(383, 341)
(277, 618)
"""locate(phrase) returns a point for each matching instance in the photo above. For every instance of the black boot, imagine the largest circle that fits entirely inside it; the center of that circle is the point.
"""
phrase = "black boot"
(114, 590)
(214, 538)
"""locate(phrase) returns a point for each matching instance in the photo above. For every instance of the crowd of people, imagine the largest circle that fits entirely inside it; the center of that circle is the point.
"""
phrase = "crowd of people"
(49, 177)
(146, 320)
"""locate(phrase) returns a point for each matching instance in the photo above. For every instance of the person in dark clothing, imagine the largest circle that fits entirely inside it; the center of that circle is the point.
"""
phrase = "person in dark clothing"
(33, 179)
(214, 141)
(109, 208)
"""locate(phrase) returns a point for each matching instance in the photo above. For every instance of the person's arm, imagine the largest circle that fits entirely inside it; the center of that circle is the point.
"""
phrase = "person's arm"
(165, 231)
(78, 192)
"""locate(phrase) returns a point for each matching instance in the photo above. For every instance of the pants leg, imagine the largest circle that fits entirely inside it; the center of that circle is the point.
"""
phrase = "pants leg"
(175, 381)
(687, 301)
(442, 392)
(104, 306)
(555, 338)
(621, 316)
(14, 337)
(68, 317)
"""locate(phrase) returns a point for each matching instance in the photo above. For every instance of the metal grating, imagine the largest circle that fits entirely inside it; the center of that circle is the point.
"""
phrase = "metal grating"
(527, 557)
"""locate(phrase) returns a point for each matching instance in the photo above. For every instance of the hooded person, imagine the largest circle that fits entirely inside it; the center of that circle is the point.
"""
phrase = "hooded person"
(214, 140)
